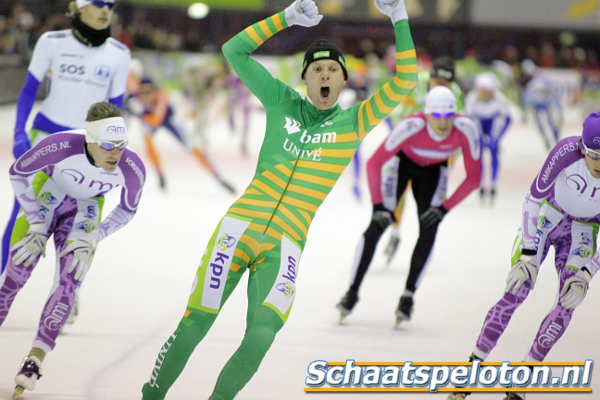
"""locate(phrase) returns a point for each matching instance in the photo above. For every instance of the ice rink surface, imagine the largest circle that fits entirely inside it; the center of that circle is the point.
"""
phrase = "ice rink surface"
(136, 292)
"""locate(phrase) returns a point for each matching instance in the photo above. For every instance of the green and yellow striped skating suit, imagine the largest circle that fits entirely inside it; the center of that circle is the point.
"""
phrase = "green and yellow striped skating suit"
(303, 154)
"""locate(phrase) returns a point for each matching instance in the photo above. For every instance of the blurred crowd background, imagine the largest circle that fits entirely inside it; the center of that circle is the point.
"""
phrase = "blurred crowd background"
(555, 35)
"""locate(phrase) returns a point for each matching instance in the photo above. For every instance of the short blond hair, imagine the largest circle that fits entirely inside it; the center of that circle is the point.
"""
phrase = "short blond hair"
(103, 110)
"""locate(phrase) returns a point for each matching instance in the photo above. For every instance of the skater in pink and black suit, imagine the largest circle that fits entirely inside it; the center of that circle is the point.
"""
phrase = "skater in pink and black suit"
(416, 151)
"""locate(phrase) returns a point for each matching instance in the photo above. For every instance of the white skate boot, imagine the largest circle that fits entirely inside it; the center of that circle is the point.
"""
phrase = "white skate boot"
(30, 372)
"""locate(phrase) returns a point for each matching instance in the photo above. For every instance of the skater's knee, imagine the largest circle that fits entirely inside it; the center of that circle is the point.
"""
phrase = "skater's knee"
(259, 340)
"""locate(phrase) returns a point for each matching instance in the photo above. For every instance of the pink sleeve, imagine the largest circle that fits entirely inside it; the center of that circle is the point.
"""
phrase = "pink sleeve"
(381, 155)
(472, 159)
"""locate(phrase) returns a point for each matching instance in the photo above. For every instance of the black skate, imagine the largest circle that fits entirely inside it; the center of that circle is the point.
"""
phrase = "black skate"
(514, 396)
(347, 303)
(30, 372)
(162, 184)
(463, 395)
(225, 185)
(404, 309)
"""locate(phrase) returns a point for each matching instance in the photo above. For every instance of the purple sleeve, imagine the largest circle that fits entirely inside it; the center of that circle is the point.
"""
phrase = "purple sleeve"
(48, 152)
(134, 173)
(117, 101)
(566, 152)
(26, 100)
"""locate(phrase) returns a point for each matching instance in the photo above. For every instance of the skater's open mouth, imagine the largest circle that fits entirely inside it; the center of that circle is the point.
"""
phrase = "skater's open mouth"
(324, 91)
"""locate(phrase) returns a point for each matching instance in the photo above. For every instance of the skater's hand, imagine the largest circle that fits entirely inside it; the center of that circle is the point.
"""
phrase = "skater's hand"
(83, 253)
(575, 289)
(394, 9)
(524, 270)
(21, 144)
(432, 216)
(382, 216)
(303, 13)
(31, 246)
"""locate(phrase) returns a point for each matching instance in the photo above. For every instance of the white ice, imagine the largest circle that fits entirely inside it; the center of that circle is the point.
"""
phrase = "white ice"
(136, 291)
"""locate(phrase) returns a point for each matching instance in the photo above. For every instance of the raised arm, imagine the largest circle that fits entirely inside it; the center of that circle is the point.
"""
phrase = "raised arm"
(238, 49)
(373, 110)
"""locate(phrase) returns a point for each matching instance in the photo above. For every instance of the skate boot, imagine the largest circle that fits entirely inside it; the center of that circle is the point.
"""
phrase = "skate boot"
(225, 185)
(347, 303)
(457, 396)
(404, 309)
(30, 372)
(492, 195)
(162, 184)
(515, 396)
(391, 248)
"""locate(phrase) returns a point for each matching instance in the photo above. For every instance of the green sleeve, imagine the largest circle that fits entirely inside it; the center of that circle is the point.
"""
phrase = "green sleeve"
(259, 81)
(373, 110)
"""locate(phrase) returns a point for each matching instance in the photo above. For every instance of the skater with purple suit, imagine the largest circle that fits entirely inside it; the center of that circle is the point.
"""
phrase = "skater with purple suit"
(60, 185)
(561, 209)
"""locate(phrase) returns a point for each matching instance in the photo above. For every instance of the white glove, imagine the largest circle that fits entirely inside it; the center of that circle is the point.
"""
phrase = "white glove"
(31, 246)
(83, 253)
(395, 9)
(575, 289)
(303, 13)
(524, 270)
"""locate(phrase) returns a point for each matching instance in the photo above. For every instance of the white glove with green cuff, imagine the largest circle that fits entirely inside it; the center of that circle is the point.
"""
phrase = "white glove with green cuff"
(575, 289)
(524, 270)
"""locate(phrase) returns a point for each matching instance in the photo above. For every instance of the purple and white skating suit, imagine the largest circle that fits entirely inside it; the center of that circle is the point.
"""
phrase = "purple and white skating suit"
(56, 184)
(561, 209)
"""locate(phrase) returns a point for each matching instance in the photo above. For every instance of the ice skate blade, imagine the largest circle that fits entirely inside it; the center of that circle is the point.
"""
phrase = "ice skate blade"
(400, 320)
(18, 391)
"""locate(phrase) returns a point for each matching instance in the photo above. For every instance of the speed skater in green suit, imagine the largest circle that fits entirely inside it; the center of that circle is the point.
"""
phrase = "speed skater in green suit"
(308, 143)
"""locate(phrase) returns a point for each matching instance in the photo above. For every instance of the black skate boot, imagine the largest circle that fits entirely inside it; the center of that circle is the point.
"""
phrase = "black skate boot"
(404, 309)
(463, 395)
(30, 372)
(162, 184)
(515, 396)
(347, 303)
